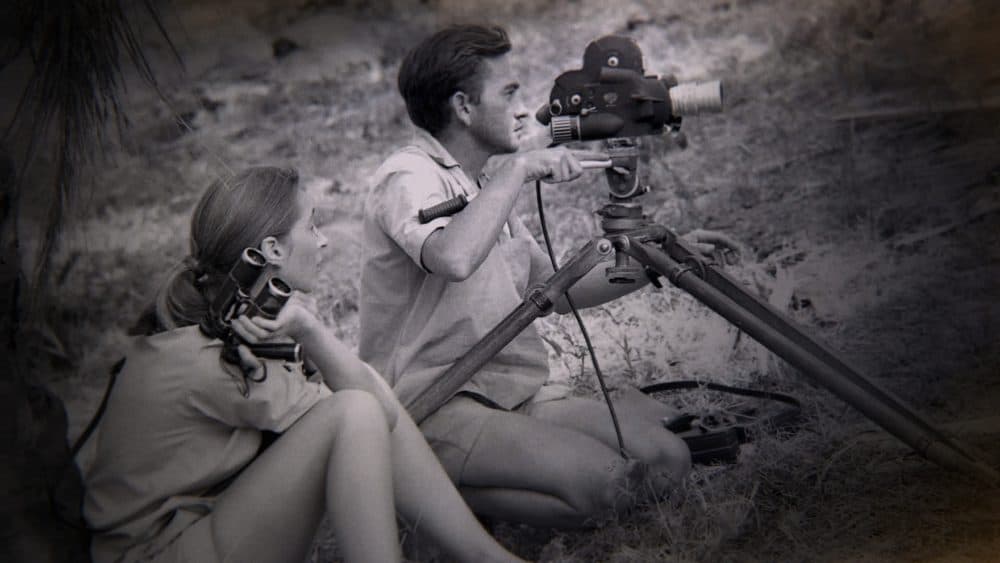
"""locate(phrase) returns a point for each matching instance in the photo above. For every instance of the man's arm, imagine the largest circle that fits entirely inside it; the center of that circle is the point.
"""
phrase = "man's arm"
(457, 250)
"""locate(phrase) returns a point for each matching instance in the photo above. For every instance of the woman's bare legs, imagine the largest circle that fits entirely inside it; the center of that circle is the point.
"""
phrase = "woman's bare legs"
(336, 457)
(341, 456)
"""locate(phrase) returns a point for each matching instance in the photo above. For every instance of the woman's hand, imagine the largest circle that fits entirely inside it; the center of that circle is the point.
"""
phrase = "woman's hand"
(339, 366)
(297, 320)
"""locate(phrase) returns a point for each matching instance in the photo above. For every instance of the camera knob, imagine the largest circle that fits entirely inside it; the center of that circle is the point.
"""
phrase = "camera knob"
(623, 274)
(624, 270)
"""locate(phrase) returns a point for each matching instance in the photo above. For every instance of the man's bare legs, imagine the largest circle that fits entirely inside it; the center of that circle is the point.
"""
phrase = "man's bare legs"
(561, 466)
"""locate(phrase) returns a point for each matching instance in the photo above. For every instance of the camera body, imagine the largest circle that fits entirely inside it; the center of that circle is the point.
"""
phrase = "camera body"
(611, 97)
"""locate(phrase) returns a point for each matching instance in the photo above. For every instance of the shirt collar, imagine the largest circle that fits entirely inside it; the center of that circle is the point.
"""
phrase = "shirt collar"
(433, 148)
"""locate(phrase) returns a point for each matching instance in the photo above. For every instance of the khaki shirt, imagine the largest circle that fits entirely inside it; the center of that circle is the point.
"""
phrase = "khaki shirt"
(177, 425)
(414, 324)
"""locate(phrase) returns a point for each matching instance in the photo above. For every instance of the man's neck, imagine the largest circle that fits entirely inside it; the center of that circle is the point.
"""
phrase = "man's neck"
(466, 150)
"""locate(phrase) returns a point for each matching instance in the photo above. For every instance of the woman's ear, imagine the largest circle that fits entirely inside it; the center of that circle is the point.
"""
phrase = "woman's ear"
(273, 250)
(461, 104)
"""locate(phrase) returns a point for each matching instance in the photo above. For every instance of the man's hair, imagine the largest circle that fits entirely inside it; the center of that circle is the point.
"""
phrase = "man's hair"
(447, 62)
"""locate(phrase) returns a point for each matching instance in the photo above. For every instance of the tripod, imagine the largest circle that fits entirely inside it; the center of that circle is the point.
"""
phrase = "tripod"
(639, 244)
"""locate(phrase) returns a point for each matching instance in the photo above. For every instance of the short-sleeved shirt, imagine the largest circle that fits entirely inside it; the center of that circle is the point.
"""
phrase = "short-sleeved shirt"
(177, 425)
(415, 324)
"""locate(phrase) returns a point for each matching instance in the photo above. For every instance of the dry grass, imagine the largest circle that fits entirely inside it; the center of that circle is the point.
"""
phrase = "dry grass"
(871, 235)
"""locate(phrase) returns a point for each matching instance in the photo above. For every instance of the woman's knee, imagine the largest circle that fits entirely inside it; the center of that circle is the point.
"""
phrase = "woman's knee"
(351, 410)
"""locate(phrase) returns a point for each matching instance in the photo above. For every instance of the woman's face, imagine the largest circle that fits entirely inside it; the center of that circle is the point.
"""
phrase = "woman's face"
(300, 261)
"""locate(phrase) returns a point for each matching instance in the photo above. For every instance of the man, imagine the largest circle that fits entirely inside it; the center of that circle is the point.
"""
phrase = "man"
(518, 449)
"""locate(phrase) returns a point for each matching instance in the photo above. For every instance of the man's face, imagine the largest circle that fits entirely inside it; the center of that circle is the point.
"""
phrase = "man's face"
(498, 120)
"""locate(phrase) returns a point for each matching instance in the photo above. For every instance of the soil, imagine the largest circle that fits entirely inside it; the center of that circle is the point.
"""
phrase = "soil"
(857, 160)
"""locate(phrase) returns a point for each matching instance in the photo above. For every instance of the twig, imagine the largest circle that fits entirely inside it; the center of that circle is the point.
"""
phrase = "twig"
(915, 238)
(893, 113)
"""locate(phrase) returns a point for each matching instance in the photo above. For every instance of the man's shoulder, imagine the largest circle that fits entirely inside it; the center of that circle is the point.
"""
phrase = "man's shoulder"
(410, 158)
(409, 173)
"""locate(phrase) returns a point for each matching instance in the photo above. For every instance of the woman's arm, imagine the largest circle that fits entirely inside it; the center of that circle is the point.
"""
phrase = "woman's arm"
(339, 366)
(342, 369)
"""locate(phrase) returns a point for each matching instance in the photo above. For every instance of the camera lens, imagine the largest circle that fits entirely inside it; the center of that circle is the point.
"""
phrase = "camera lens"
(693, 98)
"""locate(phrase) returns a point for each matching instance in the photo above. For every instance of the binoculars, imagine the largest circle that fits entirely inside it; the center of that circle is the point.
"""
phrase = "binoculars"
(248, 290)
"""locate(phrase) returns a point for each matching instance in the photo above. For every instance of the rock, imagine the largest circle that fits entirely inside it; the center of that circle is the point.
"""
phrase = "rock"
(283, 46)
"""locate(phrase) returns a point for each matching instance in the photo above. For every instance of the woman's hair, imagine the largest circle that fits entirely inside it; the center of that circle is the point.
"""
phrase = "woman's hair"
(444, 63)
(237, 211)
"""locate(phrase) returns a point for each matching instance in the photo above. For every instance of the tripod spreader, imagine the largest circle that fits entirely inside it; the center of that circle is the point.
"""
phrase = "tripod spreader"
(658, 248)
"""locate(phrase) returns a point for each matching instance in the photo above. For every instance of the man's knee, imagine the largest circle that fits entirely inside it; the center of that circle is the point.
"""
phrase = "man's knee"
(678, 456)
(603, 496)
(663, 451)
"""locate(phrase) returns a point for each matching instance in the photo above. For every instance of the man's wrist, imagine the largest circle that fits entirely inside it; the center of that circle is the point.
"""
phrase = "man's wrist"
(502, 166)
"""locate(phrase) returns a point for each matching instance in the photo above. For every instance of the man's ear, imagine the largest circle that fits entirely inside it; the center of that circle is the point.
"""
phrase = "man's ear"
(461, 105)
(273, 250)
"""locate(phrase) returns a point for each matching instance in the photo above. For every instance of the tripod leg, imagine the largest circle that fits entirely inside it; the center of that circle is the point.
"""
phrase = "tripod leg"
(772, 329)
(537, 304)
(763, 310)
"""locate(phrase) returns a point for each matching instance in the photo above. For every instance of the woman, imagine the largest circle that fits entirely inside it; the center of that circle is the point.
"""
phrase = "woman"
(177, 474)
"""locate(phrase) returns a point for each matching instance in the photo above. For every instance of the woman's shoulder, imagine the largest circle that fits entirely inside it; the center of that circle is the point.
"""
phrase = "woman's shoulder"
(181, 348)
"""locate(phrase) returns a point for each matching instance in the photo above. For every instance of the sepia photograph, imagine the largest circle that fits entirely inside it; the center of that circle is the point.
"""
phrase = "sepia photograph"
(479, 280)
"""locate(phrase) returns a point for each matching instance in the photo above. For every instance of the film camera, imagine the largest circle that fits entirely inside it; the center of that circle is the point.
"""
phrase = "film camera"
(612, 97)
(248, 289)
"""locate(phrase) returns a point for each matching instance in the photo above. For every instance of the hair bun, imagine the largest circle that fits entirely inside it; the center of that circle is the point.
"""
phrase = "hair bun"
(198, 272)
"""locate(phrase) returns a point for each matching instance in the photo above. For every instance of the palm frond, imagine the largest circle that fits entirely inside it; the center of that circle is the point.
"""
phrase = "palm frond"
(77, 48)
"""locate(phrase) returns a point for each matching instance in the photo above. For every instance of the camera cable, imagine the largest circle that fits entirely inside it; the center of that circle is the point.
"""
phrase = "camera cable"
(579, 322)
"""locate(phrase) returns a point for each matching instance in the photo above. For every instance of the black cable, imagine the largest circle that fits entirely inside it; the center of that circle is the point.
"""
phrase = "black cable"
(579, 322)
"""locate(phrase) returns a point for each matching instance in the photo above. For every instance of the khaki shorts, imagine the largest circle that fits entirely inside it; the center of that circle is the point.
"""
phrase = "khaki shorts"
(194, 545)
(454, 429)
